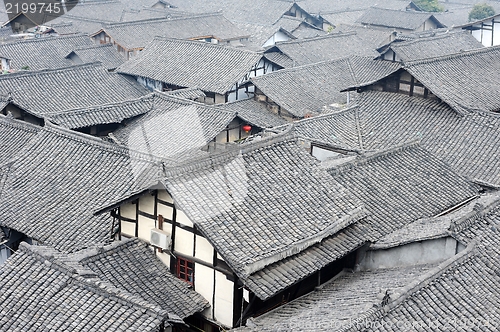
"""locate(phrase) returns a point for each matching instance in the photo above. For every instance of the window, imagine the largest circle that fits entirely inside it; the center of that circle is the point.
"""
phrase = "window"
(185, 270)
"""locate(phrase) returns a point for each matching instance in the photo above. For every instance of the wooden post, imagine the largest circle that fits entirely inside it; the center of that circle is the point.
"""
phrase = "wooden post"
(160, 226)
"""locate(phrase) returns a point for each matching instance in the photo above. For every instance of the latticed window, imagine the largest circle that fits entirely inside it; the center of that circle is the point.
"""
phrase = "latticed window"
(185, 270)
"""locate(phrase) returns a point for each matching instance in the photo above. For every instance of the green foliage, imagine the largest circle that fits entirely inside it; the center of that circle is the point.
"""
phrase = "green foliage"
(429, 5)
(480, 11)
(25, 67)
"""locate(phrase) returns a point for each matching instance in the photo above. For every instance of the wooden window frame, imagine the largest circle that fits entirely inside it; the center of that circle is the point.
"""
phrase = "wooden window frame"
(185, 270)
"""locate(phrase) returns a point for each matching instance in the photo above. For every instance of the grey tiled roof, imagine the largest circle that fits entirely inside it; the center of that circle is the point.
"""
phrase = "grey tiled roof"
(68, 25)
(132, 266)
(336, 304)
(102, 114)
(398, 186)
(401, 185)
(56, 90)
(279, 58)
(187, 93)
(462, 290)
(106, 54)
(431, 228)
(59, 178)
(278, 276)
(309, 89)
(173, 126)
(332, 46)
(41, 53)
(326, 6)
(138, 34)
(40, 293)
(338, 129)
(456, 78)
(263, 12)
(402, 19)
(439, 45)
(14, 135)
(343, 17)
(468, 143)
(253, 112)
(98, 10)
(247, 202)
(187, 63)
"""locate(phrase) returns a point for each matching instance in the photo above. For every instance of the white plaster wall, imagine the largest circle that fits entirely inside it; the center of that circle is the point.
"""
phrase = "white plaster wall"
(165, 258)
(220, 99)
(184, 242)
(5, 64)
(204, 285)
(424, 252)
(165, 196)
(223, 306)
(277, 37)
(496, 34)
(128, 210)
(145, 225)
(128, 228)
(323, 154)
(166, 211)
(147, 204)
(204, 250)
(183, 219)
(4, 254)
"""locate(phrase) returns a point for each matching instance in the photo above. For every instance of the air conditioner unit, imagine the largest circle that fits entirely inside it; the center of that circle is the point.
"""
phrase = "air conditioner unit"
(160, 239)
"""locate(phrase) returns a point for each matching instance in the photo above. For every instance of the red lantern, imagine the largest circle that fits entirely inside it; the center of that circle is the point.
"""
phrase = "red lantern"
(246, 128)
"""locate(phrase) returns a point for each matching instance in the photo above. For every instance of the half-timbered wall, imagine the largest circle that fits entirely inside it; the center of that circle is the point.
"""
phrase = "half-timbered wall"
(213, 279)
(150, 83)
(404, 83)
(101, 38)
(486, 32)
(5, 64)
(390, 55)
(244, 89)
(277, 37)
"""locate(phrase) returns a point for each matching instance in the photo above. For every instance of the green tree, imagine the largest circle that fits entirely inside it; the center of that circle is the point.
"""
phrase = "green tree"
(429, 5)
(480, 11)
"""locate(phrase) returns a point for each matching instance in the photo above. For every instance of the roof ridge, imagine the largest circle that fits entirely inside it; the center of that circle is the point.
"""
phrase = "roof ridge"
(330, 35)
(11, 121)
(217, 158)
(308, 65)
(158, 19)
(405, 42)
(96, 285)
(38, 40)
(469, 219)
(451, 56)
(404, 293)
(369, 156)
(79, 18)
(97, 142)
(189, 102)
(48, 71)
(202, 44)
(411, 12)
(103, 250)
(319, 117)
(102, 106)
(92, 47)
